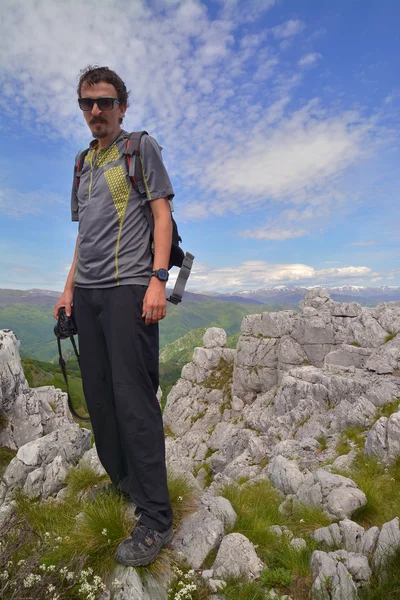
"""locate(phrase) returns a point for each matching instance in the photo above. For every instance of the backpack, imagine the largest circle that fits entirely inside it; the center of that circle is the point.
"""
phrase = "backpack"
(178, 258)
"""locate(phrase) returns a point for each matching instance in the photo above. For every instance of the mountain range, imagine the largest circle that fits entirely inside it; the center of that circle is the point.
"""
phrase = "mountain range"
(29, 312)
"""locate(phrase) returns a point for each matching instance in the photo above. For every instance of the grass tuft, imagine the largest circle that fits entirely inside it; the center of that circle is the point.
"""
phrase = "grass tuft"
(3, 420)
(257, 508)
(183, 496)
(380, 483)
(83, 478)
(6, 456)
(390, 337)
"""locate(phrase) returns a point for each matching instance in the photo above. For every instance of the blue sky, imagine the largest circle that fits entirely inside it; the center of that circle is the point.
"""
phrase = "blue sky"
(279, 121)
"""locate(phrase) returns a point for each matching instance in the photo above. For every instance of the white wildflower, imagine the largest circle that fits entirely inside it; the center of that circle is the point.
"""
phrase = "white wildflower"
(4, 575)
(47, 534)
(21, 563)
(51, 588)
(51, 568)
(180, 498)
(104, 532)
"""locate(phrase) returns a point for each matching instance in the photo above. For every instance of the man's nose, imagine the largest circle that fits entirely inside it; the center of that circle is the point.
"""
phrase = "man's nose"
(95, 110)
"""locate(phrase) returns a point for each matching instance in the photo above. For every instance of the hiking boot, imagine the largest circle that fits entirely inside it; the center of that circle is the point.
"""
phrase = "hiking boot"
(143, 546)
(106, 489)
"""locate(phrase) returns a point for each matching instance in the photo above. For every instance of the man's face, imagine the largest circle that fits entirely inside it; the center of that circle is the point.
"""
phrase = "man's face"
(102, 123)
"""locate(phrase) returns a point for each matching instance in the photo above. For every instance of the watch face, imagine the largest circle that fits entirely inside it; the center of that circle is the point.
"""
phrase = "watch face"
(163, 274)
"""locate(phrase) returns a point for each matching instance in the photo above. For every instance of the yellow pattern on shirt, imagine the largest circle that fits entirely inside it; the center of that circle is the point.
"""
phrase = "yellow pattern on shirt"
(119, 188)
(107, 155)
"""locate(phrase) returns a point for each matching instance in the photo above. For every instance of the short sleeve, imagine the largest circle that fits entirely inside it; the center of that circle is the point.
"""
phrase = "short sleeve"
(74, 198)
(158, 183)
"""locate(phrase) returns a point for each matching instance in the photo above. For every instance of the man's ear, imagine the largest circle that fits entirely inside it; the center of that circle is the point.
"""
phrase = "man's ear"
(122, 110)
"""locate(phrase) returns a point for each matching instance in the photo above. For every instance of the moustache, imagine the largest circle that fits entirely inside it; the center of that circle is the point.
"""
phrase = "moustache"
(94, 121)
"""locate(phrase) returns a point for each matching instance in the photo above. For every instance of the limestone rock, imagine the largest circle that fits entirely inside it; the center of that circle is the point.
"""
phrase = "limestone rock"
(338, 495)
(369, 541)
(131, 585)
(214, 337)
(332, 581)
(331, 535)
(353, 535)
(387, 544)
(384, 438)
(366, 330)
(45, 459)
(285, 475)
(348, 356)
(91, 459)
(298, 543)
(237, 557)
(199, 534)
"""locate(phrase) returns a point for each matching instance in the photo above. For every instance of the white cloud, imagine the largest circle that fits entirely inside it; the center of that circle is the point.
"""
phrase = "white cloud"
(288, 29)
(257, 274)
(273, 233)
(202, 84)
(308, 60)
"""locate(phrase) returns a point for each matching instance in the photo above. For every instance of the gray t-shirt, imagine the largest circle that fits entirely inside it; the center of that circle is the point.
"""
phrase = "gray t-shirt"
(114, 235)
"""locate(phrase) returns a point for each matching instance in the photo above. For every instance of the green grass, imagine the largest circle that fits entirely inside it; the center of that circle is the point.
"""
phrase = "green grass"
(183, 496)
(387, 587)
(3, 420)
(323, 442)
(257, 508)
(91, 530)
(221, 377)
(236, 589)
(6, 455)
(388, 409)
(352, 438)
(390, 337)
(84, 478)
(381, 484)
(209, 473)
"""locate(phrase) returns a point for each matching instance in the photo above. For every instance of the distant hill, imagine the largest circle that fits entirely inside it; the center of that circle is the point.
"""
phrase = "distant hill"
(29, 313)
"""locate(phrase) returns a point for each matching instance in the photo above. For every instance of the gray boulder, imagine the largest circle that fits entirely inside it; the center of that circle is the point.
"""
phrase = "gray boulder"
(285, 475)
(387, 544)
(237, 557)
(214, 337)
(331, 579)
(384, 438)
(45, 462)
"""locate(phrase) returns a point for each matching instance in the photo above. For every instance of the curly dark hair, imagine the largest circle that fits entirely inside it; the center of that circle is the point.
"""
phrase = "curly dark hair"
(93, 74)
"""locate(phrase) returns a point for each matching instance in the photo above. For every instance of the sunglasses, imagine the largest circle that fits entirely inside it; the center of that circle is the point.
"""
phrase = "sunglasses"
(102, 103)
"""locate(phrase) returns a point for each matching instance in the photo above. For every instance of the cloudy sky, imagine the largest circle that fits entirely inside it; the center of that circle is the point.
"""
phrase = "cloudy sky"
(279, 121)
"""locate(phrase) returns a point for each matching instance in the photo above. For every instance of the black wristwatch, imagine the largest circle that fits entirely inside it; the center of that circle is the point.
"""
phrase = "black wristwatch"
(161, 274)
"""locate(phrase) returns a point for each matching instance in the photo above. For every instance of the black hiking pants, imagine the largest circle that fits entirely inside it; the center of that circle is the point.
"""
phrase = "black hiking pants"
(119, 365)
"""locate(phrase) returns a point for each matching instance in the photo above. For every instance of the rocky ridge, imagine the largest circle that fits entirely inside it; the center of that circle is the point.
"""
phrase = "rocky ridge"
(274, 408)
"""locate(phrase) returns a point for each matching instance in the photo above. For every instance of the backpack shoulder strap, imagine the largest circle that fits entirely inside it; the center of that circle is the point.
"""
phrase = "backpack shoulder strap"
(80, 159)
(134, 161)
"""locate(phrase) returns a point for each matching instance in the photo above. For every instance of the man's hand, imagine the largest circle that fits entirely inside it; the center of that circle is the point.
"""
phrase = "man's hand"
(66, 301)
(154, 302)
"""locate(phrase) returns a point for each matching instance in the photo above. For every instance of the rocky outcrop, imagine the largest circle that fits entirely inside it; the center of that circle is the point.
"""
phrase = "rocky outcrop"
(40, 466)
(384, 438)
(276, 408)
(273, 408)
(26, 414)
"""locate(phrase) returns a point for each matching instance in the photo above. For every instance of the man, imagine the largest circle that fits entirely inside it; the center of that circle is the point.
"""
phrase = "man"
(117, 288)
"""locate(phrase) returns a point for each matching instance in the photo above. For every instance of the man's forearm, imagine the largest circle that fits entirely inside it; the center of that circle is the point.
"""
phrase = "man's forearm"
(69, 285)
(162, 241)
